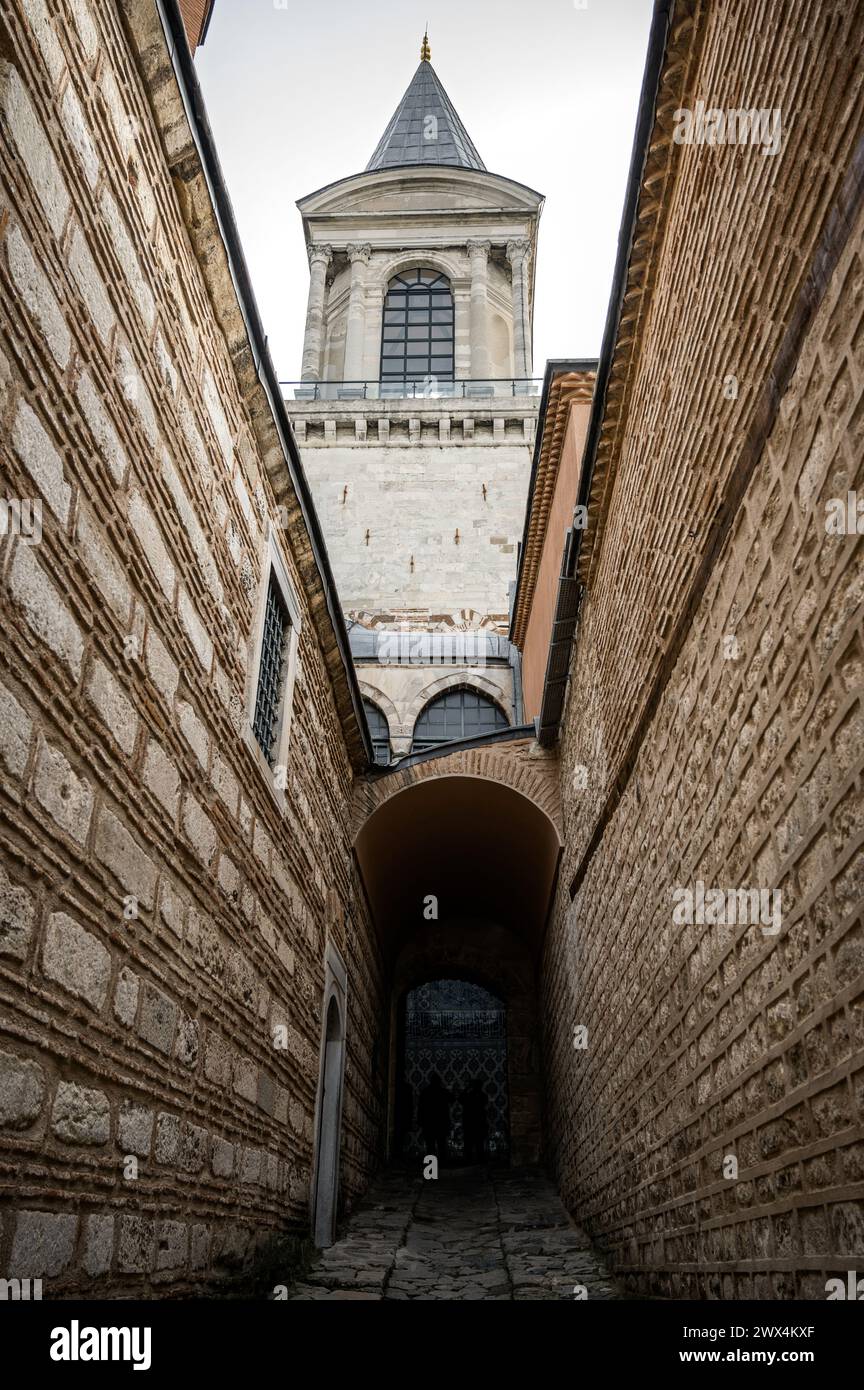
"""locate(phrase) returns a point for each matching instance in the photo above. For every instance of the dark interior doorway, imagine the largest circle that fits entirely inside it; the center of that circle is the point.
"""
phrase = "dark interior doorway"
(329, 1127)
(456, 1031)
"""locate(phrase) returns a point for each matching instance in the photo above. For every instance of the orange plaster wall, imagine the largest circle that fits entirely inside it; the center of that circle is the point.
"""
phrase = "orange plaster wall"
(539, 626)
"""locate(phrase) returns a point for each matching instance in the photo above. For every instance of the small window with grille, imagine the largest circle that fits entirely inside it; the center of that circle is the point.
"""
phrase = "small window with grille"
(273, 658)
(271, 671)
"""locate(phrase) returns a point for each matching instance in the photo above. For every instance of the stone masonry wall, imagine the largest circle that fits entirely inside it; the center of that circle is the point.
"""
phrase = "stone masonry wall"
(423, 518)
(717, 1042)
(158, 915)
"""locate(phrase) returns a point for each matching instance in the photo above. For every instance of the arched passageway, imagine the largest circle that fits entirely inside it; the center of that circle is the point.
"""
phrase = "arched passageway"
(459, 870)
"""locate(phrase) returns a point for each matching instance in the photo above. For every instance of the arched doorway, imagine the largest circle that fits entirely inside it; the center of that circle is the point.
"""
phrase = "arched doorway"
(329, 1125)
(459, 870)
(454, 1030)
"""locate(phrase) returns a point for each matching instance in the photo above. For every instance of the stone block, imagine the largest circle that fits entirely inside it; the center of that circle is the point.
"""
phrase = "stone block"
(43, 1244)
(76, 959)
(17, 917)
(167, 1138)
(126, 996)
(193, 1148)
(157, 1022)
(186, 1044)
(195, 629)
(16, 728)
(103, 431)
(34, 151)
(32, 444)
(222, 1157)
(45, 611)
(153, 546)
(102, 565)
(66, 796)
(172, 1245)
(80, 1114)
(135, 1129)
(117, 850)
(98, 1245)
(113, 706)
(161, 776)
(135, 1244)
(200, 1246)
(200, 831)
(22, 1091)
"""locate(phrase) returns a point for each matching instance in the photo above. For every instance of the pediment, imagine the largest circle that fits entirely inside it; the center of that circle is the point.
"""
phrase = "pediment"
(420, 189)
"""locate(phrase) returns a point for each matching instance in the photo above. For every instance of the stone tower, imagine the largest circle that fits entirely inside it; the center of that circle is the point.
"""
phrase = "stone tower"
(416, 415)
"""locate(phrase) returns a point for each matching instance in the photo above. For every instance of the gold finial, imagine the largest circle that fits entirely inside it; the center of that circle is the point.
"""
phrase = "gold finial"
(425, 50)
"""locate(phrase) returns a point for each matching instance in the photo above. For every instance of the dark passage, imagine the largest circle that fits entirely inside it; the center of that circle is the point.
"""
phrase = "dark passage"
(452, 1093)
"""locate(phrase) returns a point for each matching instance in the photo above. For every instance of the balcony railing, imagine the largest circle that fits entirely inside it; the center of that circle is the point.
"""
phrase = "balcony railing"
(425, 388)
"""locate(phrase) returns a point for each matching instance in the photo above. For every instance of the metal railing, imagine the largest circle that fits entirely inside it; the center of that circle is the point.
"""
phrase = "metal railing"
(424, 388)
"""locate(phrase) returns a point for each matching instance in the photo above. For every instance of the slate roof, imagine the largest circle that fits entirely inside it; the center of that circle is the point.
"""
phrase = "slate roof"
(406, 139)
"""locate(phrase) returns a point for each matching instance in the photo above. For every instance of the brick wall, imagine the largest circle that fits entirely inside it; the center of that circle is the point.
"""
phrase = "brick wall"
(715, 704)
(159, 915)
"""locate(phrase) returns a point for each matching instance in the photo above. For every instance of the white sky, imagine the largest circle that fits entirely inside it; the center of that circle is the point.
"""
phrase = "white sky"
(548, 91)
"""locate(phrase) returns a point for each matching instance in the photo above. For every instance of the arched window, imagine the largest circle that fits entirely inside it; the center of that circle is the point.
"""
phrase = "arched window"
(461, 713)
(417, 340)
(380, 731)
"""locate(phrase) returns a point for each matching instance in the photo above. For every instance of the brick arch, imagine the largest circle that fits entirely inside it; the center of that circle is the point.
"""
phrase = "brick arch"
(518, 763)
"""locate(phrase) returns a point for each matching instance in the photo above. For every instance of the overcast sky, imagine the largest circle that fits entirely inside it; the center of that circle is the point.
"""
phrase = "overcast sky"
(548, 91)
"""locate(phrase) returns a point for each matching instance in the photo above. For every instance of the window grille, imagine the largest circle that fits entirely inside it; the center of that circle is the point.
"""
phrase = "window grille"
(380, 732)
(417, 337)
(271, 672)
(461, 713)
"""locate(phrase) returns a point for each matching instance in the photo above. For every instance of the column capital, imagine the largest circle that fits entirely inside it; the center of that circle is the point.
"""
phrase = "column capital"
(478, 248)
(517, 250)
(357, 251)
(320, 254)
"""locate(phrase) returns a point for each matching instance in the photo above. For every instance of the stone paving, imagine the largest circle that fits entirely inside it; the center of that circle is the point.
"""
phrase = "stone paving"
(473, 1233)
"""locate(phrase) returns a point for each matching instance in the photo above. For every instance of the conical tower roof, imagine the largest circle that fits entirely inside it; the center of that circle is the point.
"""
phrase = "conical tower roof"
(411, 138)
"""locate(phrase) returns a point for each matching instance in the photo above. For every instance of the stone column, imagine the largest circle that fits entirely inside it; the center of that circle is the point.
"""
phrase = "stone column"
(478, 252)
(517, 254)
(355, 328)
(319, 259)
(374, 329)
(462, 327)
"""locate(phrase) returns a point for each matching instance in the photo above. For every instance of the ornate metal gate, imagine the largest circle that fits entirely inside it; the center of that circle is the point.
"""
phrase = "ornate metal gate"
(458, 1030)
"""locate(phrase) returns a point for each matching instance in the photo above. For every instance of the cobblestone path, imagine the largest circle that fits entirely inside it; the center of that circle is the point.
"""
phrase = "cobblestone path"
(467, 1235)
